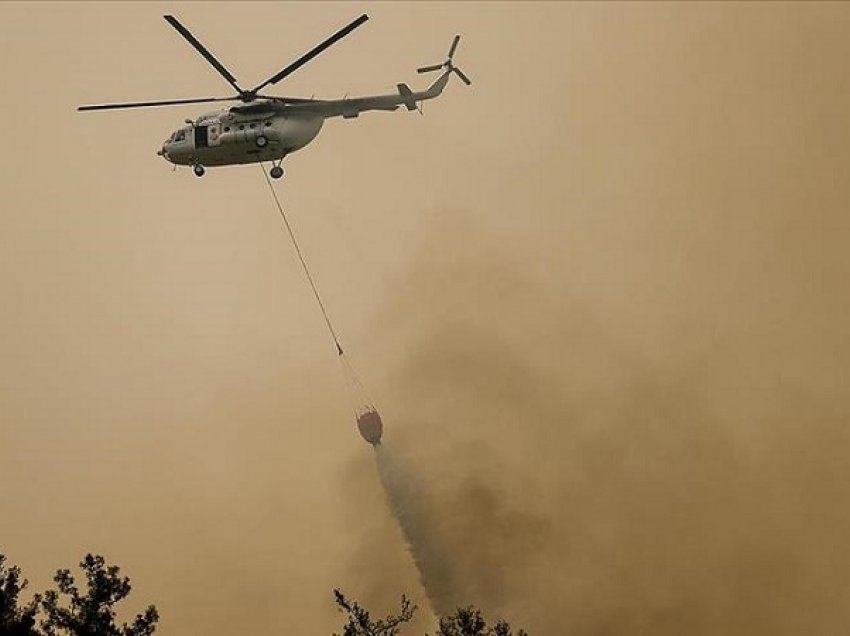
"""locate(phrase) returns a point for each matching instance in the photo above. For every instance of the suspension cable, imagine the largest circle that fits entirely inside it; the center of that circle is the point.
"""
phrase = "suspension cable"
(303, 262)
(352, 380)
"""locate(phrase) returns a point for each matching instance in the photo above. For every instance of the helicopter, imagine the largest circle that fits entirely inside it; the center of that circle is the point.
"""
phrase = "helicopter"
(268, 128)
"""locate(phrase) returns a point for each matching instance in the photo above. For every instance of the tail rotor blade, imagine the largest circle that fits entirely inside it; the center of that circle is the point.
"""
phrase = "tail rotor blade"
(460, 74)
(454, 46)
(428, 69)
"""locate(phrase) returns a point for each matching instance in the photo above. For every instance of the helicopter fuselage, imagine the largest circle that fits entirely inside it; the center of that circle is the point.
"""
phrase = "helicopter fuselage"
(268, 127)
(240, 135)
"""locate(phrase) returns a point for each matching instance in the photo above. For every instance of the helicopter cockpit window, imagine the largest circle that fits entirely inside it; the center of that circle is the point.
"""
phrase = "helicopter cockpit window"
(180, 135)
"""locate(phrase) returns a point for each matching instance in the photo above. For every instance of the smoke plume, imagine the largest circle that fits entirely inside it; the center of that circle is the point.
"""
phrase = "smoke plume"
(597, 474)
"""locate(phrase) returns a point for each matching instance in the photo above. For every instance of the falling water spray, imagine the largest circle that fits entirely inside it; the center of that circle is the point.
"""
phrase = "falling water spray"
(408, 504)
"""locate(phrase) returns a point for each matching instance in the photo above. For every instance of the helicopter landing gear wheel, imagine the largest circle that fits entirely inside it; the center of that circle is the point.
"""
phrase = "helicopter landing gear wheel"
(261, 141)
(276, 172)
(198, 169)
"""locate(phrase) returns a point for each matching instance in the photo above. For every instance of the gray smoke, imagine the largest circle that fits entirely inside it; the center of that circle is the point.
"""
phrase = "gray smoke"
(617, 472)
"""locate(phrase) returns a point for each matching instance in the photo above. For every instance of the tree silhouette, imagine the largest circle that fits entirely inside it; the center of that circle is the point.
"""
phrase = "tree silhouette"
(360, 622)
(468, 621)
(14, 620)
(92, 613)
(69, 612)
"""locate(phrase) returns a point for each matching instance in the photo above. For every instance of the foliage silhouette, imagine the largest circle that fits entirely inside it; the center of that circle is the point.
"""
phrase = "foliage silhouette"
(360, 622)
(68, 611)
(466, 621)
(92, 613)
(15, 620)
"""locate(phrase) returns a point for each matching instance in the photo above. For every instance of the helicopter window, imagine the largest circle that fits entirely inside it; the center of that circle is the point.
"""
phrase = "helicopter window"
(227, 129)
(268, 123)
(241, 126)
(180, 135)
(251, 125)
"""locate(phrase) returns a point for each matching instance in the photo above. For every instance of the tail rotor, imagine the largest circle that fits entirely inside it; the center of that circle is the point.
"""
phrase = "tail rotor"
(448, 64)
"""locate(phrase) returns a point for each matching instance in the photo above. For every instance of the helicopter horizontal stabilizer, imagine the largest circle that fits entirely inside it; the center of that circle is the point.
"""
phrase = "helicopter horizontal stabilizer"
(409, 101)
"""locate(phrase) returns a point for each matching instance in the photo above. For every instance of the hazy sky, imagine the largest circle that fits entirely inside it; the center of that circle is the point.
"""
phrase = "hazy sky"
(600, 296)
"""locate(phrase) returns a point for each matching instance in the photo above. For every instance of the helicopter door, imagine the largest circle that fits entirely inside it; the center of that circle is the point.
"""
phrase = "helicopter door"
(201, 136)
(206, 136)
(213, 133)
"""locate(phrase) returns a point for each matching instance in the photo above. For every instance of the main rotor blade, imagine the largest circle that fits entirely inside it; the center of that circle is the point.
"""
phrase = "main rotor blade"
(203, 51)
(428, 69)
(301, 61)
(454, 46)
(462, 76)
(170, 102)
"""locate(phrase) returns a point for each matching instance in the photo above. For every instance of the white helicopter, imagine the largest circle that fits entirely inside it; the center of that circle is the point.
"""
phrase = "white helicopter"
(267, 128)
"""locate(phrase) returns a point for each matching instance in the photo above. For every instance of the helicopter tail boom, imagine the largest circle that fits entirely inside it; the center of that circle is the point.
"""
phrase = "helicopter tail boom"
(436, 89)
